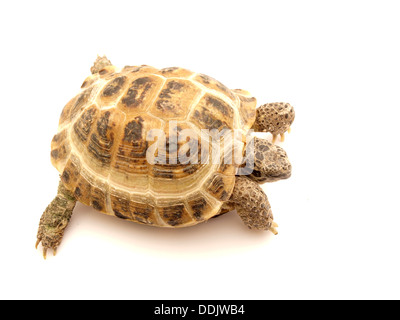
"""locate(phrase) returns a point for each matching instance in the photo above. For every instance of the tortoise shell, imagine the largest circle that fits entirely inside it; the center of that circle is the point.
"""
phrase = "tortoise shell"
(103, 139)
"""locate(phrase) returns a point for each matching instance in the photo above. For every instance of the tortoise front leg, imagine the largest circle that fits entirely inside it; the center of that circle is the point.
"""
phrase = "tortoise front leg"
(275, 118)
(252, 205)
(55, 219)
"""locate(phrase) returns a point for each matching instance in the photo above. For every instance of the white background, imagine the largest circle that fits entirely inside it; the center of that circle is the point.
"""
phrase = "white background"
(337, 63)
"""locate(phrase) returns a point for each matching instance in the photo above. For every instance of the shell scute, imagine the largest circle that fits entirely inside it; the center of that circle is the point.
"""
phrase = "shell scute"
(101, 139)
(175, 72)
(200, 206)
(211, 83)
(247, 110)
(175, 99)
(220, 186)
(125, 206)
(174, 214)
(140, 94)
(213, 113)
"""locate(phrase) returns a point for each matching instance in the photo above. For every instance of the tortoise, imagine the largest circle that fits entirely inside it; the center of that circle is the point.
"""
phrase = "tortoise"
(107, 131)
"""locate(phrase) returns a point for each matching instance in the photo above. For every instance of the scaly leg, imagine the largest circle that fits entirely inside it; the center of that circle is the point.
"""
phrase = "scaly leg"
(55, 219)
(99, 64)
(252, 205)
(275, 118)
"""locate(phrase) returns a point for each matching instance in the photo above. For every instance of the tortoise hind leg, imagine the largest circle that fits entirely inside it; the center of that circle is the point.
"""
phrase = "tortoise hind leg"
(252, 205)
(99, 64)
(55, 219)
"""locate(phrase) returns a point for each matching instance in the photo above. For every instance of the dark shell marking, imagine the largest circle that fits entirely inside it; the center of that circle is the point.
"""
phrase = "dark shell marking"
(100, 144)
(83, 125)
(77, 104)
(199, 206)
(133, 130)
(139, 93)
(131, 154)
(174, 100)
(206, 119)
(213, 113)
(60, 147)
(174, 215)
(214, 84)
(124, 208)
(220, 186)
(175, 72)
(114, 87)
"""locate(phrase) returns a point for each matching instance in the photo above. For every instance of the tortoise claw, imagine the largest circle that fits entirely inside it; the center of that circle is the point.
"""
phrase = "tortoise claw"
(282, 135)
(37, 243)
(45, 248)
(273, 227)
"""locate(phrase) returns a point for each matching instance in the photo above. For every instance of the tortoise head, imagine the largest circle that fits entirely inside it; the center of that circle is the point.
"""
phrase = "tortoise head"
(271, 162)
